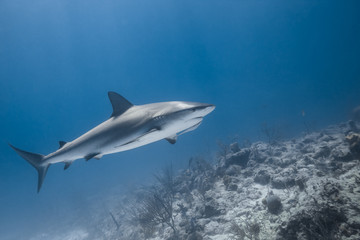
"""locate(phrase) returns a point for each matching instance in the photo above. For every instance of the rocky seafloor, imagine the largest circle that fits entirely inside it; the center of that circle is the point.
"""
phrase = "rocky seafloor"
(304, 188)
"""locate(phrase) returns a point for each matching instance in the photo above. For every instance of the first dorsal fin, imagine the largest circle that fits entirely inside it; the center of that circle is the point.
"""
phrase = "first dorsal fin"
(119, 104)
(61, 144)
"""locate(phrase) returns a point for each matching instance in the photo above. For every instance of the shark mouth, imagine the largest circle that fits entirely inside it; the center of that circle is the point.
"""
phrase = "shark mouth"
(191, 128)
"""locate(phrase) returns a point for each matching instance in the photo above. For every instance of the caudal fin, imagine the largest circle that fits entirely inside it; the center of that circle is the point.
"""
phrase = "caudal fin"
(36, 160)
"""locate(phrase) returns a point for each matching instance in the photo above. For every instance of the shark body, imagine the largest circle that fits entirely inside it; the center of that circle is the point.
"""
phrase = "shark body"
(130, 126)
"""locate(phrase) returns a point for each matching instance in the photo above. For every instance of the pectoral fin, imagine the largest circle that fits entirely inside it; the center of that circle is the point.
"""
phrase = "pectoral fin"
(98, 156)
(145, 137)
(91, 155)
(173, 139)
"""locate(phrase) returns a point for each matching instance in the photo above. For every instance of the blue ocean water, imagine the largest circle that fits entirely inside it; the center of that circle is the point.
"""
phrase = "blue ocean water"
(289, 64)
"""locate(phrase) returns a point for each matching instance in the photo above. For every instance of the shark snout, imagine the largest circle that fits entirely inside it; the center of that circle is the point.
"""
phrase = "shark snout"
(205, 109)
(210, 108)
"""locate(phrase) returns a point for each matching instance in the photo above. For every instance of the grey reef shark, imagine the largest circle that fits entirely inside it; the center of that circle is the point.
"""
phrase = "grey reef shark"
(129, 126)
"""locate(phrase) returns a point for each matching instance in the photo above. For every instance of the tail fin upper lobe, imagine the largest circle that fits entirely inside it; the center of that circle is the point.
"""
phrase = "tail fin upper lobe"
(36, 161)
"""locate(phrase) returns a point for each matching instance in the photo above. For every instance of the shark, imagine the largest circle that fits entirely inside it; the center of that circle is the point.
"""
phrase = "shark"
(129, 126)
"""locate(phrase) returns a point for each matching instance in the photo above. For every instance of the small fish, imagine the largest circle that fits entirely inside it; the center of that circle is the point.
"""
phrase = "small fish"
(303, 113)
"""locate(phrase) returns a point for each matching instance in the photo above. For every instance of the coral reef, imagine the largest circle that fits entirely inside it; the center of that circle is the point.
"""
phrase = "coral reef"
(304, 188)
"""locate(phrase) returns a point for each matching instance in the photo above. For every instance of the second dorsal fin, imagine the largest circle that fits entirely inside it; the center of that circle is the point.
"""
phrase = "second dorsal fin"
(119, 104)
(61, 144)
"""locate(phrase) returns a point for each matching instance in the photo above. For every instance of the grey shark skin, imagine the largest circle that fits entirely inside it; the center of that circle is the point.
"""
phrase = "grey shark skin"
(130, 126)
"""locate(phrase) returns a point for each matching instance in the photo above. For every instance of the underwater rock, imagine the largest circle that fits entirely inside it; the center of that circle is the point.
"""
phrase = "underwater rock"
(323, 151)
(229, 184)
(194, 236)
(232, 187)
(226, 180)
(356, 114)
(354, 141)
(331, 192)
(259, 152)
(353, 127)
(210, 210)
(273, 203)
(192, 229)
(233, 170)
(203, 184)
(234, 147)
(317, 224)
(262, 177)
(342, 153)
(282, 182)
(240, 158)
(199, 165)
(300, 182)
(308, 139)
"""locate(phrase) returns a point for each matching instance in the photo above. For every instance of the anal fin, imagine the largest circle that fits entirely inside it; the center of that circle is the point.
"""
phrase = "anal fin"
(67, 165)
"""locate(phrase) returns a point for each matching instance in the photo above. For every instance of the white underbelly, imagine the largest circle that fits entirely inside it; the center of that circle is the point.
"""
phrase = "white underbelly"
(151, 137)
